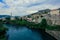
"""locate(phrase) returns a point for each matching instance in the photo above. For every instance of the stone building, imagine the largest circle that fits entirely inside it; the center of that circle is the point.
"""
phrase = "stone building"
(54, 17)
(36, 17)
(54, 11)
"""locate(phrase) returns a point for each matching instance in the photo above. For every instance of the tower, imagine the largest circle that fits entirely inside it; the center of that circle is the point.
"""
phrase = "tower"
(11, 14)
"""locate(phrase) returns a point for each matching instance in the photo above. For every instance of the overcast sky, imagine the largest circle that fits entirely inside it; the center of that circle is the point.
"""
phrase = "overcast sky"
(24, 7)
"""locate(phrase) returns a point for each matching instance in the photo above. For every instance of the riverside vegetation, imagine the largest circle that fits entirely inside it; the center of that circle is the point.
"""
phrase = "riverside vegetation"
(20, 22)
(42, 25)
(2, 31)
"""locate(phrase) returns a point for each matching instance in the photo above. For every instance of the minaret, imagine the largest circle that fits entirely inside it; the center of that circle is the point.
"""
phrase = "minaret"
(11, 14)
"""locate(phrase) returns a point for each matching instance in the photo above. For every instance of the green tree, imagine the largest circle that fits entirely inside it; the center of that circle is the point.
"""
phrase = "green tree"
(59, 10)
(8, 19)
(43, 24)
(1, 23)
(16, 18)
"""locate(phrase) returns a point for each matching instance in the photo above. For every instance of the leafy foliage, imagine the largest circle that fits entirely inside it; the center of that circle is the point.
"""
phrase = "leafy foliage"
(43, 24)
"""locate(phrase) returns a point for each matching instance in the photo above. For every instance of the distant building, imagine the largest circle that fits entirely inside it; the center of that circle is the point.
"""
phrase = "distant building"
(29, 19)
(54, 11)
(12, 18)
(53, 18)
(3, 18)
(36, 17)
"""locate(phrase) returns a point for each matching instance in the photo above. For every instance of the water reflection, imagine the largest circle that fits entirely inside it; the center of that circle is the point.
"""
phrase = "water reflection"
(22, 33)
(3, 35)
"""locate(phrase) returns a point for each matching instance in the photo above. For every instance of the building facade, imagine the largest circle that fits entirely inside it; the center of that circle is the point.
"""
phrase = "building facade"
(54, 17)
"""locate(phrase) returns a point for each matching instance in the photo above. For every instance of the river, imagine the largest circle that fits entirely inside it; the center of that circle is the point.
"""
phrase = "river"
(22, 33)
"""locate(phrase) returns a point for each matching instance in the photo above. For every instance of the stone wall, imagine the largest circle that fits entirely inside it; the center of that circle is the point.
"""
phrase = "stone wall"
(53, 19)
(55, 34)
